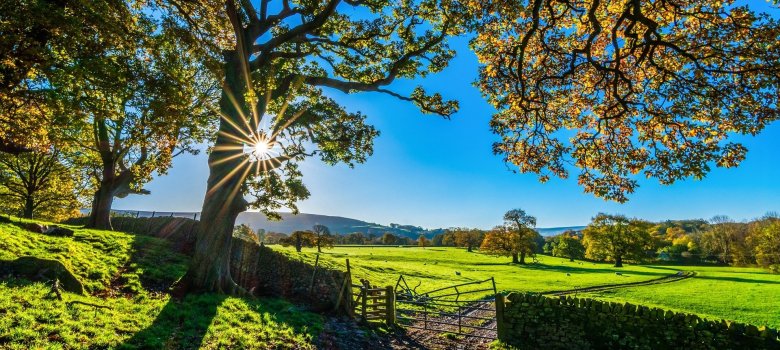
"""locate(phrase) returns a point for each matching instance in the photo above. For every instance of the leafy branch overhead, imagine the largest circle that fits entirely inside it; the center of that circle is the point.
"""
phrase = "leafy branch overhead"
(619, 88)
(289, 54)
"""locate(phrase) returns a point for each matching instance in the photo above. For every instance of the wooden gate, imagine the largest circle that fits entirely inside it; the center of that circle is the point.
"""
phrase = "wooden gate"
(374, 304)
(467, 309)
(366, 302)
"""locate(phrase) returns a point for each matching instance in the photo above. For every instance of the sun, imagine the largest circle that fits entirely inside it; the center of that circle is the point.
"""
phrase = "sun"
(262, 149)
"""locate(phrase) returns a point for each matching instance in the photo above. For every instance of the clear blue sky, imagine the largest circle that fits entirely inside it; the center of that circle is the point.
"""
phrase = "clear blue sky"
(433, 172)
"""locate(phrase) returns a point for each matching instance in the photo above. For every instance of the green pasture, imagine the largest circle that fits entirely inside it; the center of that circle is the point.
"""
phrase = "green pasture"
(748, 295)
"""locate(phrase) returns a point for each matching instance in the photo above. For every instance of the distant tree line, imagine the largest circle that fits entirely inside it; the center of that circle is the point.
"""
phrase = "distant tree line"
(611, 238)
(619, 239)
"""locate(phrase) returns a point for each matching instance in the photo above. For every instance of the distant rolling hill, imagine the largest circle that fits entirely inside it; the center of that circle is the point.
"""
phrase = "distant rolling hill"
(552, 231)
(336, 224)
(342, 225)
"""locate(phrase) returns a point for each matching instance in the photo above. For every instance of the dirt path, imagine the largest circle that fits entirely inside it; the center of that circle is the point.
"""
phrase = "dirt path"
(679, 276)
(442, 331)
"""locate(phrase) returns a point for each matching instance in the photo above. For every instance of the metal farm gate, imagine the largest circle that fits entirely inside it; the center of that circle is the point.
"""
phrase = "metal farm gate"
(466, 309)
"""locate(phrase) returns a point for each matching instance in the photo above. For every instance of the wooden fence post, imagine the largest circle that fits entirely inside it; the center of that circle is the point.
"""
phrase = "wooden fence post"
(500, 324)
(363, 297)
(390, 305)
(314, 274)
(149, 225)
(350, 299)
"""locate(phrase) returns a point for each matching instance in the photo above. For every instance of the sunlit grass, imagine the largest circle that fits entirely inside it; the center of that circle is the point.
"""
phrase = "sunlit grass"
(748, 295)
(32, 318)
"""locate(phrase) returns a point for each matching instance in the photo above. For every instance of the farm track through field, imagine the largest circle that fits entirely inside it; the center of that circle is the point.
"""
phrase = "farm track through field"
(679, 276)
(439, 336)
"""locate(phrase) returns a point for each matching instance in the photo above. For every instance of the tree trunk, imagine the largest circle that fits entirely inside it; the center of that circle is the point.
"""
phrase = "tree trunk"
(514, 258)
(618, 261)
(522, 258)
(29, 206)
(100, 217)
(469, 249)
(210, 266)
(571, 259)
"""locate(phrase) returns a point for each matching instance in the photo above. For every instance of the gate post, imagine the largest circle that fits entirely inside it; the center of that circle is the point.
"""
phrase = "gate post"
(390, 305)
(363, 296)
(500, 326)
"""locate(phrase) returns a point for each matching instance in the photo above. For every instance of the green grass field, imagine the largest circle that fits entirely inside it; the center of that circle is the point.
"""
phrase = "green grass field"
(748, 295)
(127, 272)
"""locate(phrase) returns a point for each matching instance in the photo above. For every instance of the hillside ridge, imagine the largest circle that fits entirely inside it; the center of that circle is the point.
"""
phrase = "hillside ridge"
(337, 224)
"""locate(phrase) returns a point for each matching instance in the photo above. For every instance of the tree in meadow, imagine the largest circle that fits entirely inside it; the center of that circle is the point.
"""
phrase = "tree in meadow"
(568, 245)
(522, 224)
(502, 241)
(388, 238)
(141, 104)
(468, 238)
(322, 237)
(299, 239)
(423, 242)
(616, 238)
(766, 242)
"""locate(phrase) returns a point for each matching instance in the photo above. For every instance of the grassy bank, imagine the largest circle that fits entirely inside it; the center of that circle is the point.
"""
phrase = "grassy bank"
(126, 276)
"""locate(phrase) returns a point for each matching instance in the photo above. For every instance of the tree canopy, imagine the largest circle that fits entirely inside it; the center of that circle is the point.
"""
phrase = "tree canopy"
(276, 59)
(619, 88)
(38, 37)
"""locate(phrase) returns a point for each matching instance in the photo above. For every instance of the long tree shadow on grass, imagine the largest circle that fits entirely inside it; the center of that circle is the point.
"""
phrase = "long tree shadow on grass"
(179, 325)
(218, 321)
(577, 269)
(737, 279)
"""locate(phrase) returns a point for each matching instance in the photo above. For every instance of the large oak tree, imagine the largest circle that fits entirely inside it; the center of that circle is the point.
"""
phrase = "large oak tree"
(522, 224)
(616, 238)
(277, 60)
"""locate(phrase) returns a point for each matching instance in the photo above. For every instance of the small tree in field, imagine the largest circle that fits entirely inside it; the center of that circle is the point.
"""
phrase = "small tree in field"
(616, 238)
(299, 239)
(422, 241)
(503, 242)
(568, 245)
(388, 238)
(468, 238)
(522, 224)
(322, 237)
